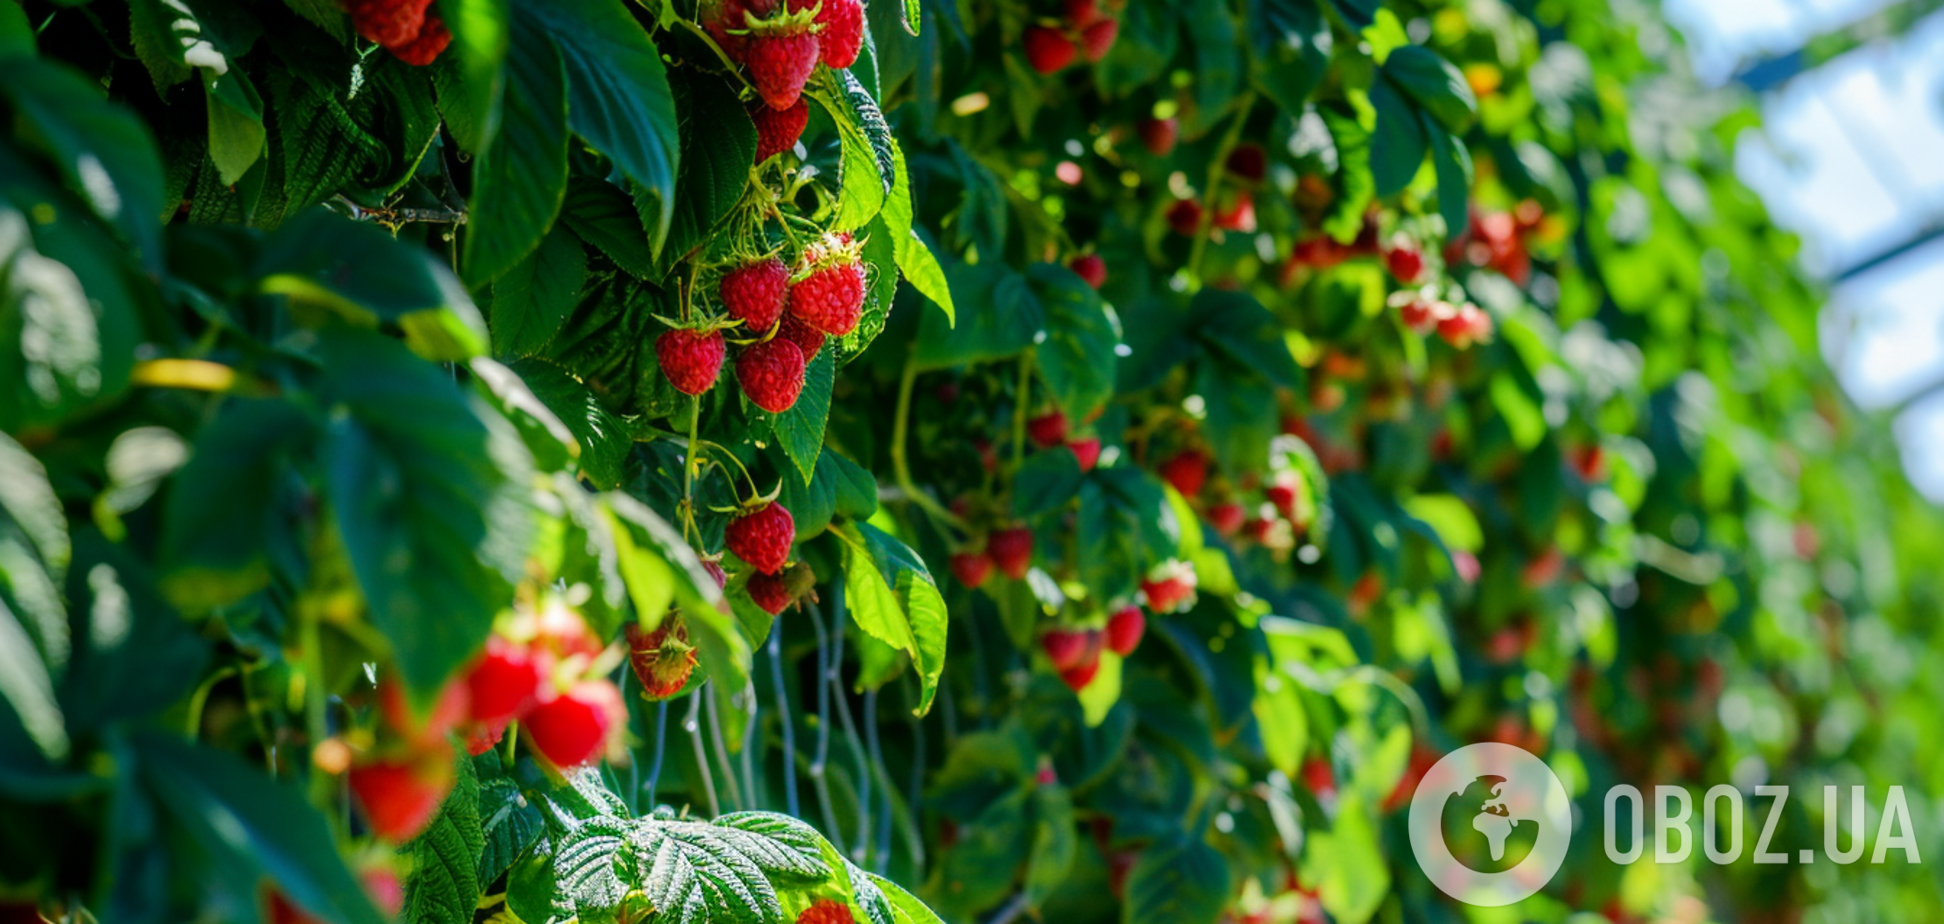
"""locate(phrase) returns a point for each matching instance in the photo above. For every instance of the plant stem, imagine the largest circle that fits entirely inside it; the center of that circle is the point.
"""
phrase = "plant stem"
(900, 466)
(863, 783)
(1020, 404)
(1215, 170)
(691, 725)
(783, 718)
(822, 754)
(314, 722)
(749, 745)
(661, 736)
(714, 713)
(881, 853)
(689, 465)
(192, 725)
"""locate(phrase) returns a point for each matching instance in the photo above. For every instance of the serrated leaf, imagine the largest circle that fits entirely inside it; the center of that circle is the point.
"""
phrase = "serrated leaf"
(591, 866)
(1078, 355)
(868, 897)
(508, 825)
(444, 885)
(103, 152)
(893, 597)
(717, 152)
(533, 299)
(602, 214)
(800, 430)
(1180, 881)
(520, 179)
(604, 439)
(778, 844)
(692, 870)
(868, 168)
(1435, 83)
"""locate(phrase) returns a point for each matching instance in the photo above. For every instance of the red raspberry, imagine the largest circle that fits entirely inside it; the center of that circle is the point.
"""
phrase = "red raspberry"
(572, 728)
(1076, 678)
(779, 64)
(1047, 49)
(1185, 217)
(1124, 630)
(423, 731)
(1086, 452)
(1187, 471)
(390, 23)
(762, 537)
(1249, 162)
(1091, 268)
(771, 374)
(562, 631)
(1070, 648)
(826, 911)
(1096, 40)
(1082, 13)
(1284, 492)
(1421, 315)
(1405, 262)
(1319, 777)
(662, 659)
(401, 796)
(756, 293)
(770, 592)
(798, 331)
(1012, 551)
(690, 358)
(830, 299)
(1466, 326)
(503, 682)
(1239, 215)
(778, 130)
(1048, 429)
(843, 32)
(424, 49)
(1169, 586)
(1227, 518)
(484, 736)
(972, 568)
(1158, 135)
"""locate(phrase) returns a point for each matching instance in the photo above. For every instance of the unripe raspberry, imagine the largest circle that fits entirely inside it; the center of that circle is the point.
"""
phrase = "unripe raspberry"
(662, 659)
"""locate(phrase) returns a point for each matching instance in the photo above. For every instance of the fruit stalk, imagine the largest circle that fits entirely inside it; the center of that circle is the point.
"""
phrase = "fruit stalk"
(1215, 168)
(900, 466)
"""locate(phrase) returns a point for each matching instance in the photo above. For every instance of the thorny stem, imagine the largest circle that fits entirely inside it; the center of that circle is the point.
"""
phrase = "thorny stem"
(713, 708)
(850, 732)
(900, 465)
(817, 763)
(1215, 168)
(783, 718)
(694, 729)
(661, 736)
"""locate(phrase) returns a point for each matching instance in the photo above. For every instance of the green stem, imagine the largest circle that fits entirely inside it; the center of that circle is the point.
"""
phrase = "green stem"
(192, 726)
(1215, 170)
(313, 655)
(689, 465)
(900, 466)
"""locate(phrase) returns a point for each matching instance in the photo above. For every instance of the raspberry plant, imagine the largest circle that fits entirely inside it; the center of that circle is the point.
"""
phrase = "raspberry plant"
(571, 460)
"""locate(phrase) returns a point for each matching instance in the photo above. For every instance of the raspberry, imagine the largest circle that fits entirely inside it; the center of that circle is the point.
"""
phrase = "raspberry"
(972, 568)
(503, 682)
(1069, 648)
(779, 65)
(1047, 50)
(662, 659)
(562, 631)
(1405, 262)
(1077, 678)
(390, 23)
(830, 299)
(690, 358)
(762, 537)
(572, 728)
(1185, 217)
(826, 911)
(422, 730)
(1249, 162)
(1096, 40)
(1012, 551)
(424, 49)
(1048, 429)
(771, 374)
(1124, 630)
(1187, 471)
(1319, 777)
(1082, 13)
(770, 592)
(1466, 326)
(1421, 315)
(778, 130)
(756, 293)
(1091, 268)
(1227, 518)
(1239, 215)
(483, 736)
(1169, 586)
(843, 32)
(797, 331)
(401, 796)
(1158, 135)
(1284, 492)
(1086, 452)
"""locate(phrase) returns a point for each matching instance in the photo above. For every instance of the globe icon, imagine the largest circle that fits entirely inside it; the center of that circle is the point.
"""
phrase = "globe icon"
(1482, 831)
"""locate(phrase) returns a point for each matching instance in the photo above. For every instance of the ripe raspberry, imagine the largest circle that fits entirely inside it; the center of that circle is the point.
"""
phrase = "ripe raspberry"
(573, 728)
(1158, 135)
(503, 682)
(1169, 586)
(826, 911)
(779, 64)
(401, 796)
(1187, 471)
(1421, 314)
(1048, 429)
(1249, 162)
(390, 23)
(1077, 678)
(1124, 630)
(1227, 518)
(770, 592)
(771, 374)
(662, 659)
(1086, 452)
(1046, 775)
(1047, 49)
(778, 131)
(690, 358)
(561, 631)
(756, 293)
(427, 730)
(1239, 215)
(1082, 13)
(798, 331)
(1185, 217)
(972, 568)
(1405, 262)
(762, 537)
(831, 299)
(1068, 648)
(1096, 40)
(843, 32)
(1012, 551)
(484, 736)
(1284, 492)
(424, 49)
(1319, 777)
(1466, 326)
(1091, 268)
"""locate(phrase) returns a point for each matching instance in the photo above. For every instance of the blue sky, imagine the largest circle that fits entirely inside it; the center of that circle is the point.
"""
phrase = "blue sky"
(1851, 157)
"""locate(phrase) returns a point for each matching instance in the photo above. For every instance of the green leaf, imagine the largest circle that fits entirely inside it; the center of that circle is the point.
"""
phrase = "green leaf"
(1055, 835)
(480, 41)
(879, 256)
(1398, 144)
(226, 507)
(618, 95)
(868, 169)
(1046, 481)
(236, 132)
(444, 885)
(602, 214)
(604, 439)
(591, 865)
(1454, 167)
(1241, 414)
(1435, 83)
(913, 256)
(533, 299)
(692, 870)
(17, 36)
(1007, 319)
(800, 430)
(1078, 354)
(1451, 518)
(508, 825)
(905, 907)
(717, 152)
(429, 487)
(1237, 325)
(520, 179)
(1291, 38)
(133, 654)
(358, 273)
(778, 844)
(1218, 63)
(893, 597)
(1178, 881)
(856, 488)
(250, 826)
